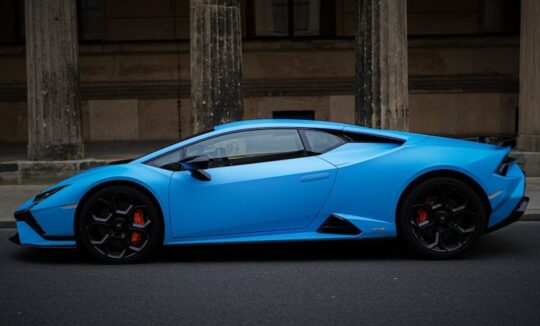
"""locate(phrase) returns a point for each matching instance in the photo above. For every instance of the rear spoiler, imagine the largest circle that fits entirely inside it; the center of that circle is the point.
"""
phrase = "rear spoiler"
(494, 140)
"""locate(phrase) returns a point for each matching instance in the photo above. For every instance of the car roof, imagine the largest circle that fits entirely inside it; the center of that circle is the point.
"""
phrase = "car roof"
(315, 124)
(292, 123)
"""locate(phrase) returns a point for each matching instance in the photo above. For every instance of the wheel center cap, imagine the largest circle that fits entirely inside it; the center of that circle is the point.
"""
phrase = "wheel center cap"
(442, 217)
(119, 224)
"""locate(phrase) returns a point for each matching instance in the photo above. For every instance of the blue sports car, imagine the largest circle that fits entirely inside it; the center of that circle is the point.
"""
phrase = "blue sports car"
(283, 180)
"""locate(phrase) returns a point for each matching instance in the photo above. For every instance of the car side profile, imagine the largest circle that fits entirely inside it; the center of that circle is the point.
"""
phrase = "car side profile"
(283, 180)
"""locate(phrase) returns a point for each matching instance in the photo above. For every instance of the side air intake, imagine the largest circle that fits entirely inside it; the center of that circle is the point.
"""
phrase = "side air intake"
(338, 225)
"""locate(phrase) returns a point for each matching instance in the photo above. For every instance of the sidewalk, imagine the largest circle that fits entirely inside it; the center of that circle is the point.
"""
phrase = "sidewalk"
(533, 192)
(11, 196)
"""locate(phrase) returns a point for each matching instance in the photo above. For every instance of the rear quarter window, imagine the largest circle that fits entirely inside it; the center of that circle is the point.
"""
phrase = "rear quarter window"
(322, 141)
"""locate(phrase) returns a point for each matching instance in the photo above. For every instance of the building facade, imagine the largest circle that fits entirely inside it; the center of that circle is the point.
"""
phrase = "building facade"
(298, 60)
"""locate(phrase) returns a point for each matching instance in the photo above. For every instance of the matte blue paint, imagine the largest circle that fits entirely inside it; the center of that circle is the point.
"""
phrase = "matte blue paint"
(287, 199)
(49, 220)
(240, 199)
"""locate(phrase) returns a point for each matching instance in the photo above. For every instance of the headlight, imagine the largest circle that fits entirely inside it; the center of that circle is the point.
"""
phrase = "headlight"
(48, 193)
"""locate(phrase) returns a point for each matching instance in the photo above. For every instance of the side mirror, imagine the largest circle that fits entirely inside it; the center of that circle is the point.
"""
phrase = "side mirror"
(196, 165)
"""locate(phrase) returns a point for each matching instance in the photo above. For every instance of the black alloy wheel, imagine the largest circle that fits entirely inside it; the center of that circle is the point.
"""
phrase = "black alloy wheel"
(441, 218)
(119, 224)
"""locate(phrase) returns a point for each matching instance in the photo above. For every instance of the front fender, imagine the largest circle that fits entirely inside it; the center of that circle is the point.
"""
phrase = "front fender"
(56, 214)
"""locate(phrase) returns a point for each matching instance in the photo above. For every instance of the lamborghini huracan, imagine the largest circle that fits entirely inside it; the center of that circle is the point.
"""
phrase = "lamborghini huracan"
(283, 180)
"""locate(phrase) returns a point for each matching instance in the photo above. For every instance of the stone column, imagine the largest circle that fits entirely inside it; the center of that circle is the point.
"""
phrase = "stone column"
(216, 62)
(54, 114)
(381, 64)
(529, 77)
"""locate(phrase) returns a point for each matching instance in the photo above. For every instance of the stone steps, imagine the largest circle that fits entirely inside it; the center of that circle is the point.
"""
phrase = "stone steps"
(44, 172)
(16, 169)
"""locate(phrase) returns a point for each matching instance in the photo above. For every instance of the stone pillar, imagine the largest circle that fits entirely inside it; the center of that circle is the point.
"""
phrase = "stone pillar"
(54, 114)
(381, 64)
(216, 62)
(529, 77)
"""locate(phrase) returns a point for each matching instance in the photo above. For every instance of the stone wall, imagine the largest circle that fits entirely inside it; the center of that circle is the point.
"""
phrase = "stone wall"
(461, 82)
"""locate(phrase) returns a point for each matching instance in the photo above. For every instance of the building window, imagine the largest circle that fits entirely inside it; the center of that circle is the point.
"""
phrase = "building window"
(302, 115)
(476, 17)
(500, 17)
(11, 22)
(91, 15)
(306, 17)
(138, 20)
(290, 18)
(271, 17)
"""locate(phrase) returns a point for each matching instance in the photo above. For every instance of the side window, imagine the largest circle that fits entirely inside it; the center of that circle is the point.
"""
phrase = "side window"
(321, 141)
(249, 147)
(168, 159)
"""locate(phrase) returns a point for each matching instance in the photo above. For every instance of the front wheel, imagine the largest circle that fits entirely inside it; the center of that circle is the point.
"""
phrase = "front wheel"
(441, 218)
(119, 224)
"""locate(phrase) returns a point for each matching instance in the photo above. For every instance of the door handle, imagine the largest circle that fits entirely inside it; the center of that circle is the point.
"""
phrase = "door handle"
(314, 177)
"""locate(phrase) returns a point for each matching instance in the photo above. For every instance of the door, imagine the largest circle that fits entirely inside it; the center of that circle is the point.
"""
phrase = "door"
(261, 180)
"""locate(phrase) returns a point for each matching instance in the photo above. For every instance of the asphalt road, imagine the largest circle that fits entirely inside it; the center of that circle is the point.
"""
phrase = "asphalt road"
(373, 282)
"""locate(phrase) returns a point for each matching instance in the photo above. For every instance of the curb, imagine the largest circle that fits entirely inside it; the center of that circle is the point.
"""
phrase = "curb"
(530, 218)
(10, 224)
(7, 224)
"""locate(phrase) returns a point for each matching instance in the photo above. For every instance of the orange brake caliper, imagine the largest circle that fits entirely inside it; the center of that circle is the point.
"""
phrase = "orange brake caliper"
(422, 214)
(138, 218)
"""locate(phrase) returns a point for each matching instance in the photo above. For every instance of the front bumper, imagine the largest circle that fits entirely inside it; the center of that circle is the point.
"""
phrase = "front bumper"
(30, 233)
(15, 239)
(516, 214)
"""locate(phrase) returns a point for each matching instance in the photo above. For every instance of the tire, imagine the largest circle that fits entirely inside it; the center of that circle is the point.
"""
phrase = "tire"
(441, 218)
(120, 224)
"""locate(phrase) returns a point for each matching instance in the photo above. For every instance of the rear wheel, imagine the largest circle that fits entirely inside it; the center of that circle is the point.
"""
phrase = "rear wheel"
(119, 224)
(441, 218)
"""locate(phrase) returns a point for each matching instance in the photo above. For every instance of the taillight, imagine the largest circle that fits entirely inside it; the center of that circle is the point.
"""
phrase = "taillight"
(503, 167)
